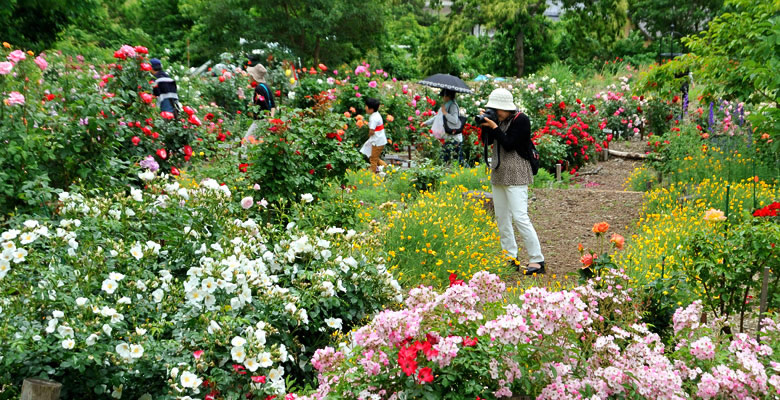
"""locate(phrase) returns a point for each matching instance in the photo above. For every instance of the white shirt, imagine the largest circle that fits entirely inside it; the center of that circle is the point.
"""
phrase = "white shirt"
(379, 138)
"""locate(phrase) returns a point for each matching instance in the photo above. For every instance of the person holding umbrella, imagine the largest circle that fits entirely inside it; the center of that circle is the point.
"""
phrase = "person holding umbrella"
(453, 126)
(511, 175)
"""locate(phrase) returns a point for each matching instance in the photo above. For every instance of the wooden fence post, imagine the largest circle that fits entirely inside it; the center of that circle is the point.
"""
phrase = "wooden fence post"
(558, 172)
(40, 389)
(762, 307)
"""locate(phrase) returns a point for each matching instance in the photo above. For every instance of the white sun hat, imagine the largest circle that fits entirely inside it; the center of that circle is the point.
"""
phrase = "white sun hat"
(501, 99)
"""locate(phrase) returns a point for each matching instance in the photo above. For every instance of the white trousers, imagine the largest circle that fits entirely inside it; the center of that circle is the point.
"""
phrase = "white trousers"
(511, 205)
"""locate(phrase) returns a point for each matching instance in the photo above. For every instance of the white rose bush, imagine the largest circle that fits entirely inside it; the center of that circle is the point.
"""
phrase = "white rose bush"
(166, 292)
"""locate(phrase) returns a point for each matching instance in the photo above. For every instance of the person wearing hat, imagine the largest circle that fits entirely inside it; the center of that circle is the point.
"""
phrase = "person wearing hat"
(263, 97)
(510, 177)
(164, 88)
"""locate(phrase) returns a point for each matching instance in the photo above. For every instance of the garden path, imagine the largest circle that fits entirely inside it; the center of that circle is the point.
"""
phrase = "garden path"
(563, 217)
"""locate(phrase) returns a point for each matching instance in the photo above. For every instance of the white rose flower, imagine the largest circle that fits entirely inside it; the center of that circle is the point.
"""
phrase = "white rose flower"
(107, 329)
(137, 194)
(251, 364)
(137, 252)
(190, 380)
(136, 351)
(124, 300)
(307, 197)
(81, 301)
(238, 354)
(247, 202)
(276, 374)
(157, 295)
(30, 223)
(238, 341)
(68, 344)
(117, 393)
(92, 339)
(10, 234)
(27, 238)
(37, 338)
(123, 349)
(264, 360)
(19, 255)
(109, 286)
(140, 331)
(9, 247)
(116, 276)
(334, 323)
(65, 331)
(57, 314)
(146, 175)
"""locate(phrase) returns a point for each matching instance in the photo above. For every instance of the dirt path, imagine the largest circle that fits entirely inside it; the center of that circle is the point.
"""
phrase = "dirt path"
(563, 218)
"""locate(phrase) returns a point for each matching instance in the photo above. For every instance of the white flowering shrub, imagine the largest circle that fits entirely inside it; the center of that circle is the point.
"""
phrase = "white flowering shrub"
(164, 292)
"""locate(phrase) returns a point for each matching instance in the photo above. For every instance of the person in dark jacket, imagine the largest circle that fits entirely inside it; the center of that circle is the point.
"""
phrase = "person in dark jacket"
(164, 88)
(510, 177)
(263, 97)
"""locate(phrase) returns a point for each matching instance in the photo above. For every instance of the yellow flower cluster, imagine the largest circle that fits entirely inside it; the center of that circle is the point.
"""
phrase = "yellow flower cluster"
(440, 233)
(674, 213)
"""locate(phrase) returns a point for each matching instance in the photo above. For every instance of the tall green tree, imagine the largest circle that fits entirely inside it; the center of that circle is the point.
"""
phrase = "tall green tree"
(324, 30)
(591, 29)
(656, 18)
(35, 24)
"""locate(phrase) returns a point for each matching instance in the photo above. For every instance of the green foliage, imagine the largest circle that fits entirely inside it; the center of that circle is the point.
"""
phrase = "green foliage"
(299, 153)
(727, 259)
(426, 176)
(689, 17)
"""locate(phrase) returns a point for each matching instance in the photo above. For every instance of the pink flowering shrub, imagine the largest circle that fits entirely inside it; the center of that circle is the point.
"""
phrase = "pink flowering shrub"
(588, 342)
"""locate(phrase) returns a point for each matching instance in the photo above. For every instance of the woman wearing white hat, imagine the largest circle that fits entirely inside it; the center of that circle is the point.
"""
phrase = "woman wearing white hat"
(511, 175)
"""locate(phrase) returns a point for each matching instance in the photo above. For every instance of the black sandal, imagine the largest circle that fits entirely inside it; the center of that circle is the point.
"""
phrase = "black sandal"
(532, 271)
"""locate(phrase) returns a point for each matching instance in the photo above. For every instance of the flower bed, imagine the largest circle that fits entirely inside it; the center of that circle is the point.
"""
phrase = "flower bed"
(170, 292)
(465, 342)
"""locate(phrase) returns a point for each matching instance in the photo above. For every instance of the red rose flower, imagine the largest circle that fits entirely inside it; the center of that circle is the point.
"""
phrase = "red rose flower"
(469, 342)
(328, 166)
(174, 171)
(278, 92)
(194, 120)
(146, 67)
(136, 140)
(209, 117)
(187, 149)
(166, 115)
(155, 135)
(146, 131)
(322, 67)
(162, 153)
(141, 50)
(311, 171)
(146, 97)
(425, 375)
(189, 110)
(258, 379)
(242, 167)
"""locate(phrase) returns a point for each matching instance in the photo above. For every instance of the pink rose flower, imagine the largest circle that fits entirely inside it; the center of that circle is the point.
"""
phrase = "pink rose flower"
(247, 202)
(16, 56)
(14, 98)
(41, 63)
(6, 67)
(372, 84)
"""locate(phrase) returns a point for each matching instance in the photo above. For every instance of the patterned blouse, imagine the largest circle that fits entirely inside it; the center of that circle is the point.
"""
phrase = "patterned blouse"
(509, 168)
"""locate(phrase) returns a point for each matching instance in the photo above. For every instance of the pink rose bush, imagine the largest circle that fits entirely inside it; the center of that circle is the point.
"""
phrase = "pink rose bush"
(588, 342)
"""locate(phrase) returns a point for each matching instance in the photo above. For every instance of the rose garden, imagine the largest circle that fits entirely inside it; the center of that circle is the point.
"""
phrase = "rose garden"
(147, 255)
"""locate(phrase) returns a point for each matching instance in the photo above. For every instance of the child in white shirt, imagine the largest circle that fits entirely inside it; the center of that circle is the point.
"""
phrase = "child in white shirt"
(376, 135)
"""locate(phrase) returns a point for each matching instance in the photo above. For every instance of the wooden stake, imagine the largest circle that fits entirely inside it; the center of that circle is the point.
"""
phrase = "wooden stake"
(558, 172)
(763, 300)
(40, 389)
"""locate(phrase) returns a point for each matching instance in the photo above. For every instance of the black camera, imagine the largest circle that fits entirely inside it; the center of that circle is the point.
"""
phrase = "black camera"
(489, 113)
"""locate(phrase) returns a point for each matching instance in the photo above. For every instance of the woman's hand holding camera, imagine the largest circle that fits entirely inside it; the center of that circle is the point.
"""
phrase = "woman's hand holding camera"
(488, 123)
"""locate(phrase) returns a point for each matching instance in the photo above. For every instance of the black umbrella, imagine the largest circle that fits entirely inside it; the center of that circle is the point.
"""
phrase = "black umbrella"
(445, 81)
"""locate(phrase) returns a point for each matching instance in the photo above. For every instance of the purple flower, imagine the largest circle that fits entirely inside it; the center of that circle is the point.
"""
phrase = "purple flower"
(711, 120)
(149, 163)
(84, 121)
